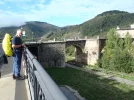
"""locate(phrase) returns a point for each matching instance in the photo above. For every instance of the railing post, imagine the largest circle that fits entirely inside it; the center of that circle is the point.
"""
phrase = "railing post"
(35, 89)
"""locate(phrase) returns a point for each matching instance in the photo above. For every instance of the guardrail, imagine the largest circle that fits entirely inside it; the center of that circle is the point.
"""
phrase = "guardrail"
(42, 87)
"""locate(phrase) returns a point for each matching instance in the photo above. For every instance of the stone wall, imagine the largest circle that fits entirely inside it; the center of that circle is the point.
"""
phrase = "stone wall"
(52, 55)
(92, 51)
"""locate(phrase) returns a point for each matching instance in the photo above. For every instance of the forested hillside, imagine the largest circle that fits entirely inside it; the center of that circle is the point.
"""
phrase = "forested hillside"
(99, 25)
(35, 28)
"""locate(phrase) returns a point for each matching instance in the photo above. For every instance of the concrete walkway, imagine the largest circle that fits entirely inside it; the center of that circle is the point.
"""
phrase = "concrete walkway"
(118, 79)
(11, 89)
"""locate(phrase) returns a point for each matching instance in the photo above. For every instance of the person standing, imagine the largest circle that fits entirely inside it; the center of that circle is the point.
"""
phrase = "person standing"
(17, 46)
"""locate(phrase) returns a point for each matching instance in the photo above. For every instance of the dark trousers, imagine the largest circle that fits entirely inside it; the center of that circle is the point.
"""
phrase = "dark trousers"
(5, 59)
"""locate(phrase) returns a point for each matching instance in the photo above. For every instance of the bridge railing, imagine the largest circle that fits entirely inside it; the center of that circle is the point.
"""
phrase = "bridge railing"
(42, 87)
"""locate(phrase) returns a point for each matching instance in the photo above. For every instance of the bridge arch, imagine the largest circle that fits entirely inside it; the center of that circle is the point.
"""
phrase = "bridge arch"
(79, 51)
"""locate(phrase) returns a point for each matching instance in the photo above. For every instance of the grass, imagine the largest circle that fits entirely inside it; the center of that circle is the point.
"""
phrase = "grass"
(90, 86)
(129, 76)
(69, 58)
(113, 73)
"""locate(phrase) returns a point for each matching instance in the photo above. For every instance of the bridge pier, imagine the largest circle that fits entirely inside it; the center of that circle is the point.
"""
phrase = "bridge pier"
(90, 53)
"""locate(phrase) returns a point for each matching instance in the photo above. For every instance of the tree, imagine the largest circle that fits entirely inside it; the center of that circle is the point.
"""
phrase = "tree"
(117, 53)
(109, 49)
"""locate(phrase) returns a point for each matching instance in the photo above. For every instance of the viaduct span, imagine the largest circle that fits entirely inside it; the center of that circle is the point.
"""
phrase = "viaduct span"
(53, 53)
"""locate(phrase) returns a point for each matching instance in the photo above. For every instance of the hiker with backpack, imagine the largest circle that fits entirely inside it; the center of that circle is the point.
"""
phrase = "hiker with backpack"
(17, 46)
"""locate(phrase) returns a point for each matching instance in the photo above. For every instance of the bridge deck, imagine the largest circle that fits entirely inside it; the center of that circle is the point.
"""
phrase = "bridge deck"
(11, 89)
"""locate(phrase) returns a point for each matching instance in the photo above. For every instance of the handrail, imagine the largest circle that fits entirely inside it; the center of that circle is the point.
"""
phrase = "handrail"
(42, 87)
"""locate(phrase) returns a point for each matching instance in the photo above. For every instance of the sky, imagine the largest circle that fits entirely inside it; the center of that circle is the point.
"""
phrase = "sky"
(57, 12)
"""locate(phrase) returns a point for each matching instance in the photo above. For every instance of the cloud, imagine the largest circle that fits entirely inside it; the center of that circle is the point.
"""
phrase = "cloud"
(7, 20)
(1, 2)
(12, 21)
(17, 1)
(60, 12)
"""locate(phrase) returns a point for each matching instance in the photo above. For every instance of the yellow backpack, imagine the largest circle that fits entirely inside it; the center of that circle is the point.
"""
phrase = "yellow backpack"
(7, 46)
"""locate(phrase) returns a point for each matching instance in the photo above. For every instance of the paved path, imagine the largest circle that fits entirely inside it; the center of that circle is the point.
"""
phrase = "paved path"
(12, 89)
(118, 79)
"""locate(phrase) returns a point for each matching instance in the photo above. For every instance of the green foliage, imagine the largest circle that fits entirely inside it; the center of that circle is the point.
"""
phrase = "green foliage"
(128, 41)
(106, 22)
(117, 53)
(70, 51)
(113, 12)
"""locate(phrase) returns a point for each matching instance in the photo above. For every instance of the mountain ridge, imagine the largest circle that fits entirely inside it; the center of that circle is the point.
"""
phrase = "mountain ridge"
(35, 28)
(99, 25)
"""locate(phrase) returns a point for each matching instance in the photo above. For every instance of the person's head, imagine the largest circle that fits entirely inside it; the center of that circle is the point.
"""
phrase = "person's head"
(19, 32)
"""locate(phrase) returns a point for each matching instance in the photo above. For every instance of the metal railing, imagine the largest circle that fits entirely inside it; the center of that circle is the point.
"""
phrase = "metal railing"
(42, 87)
